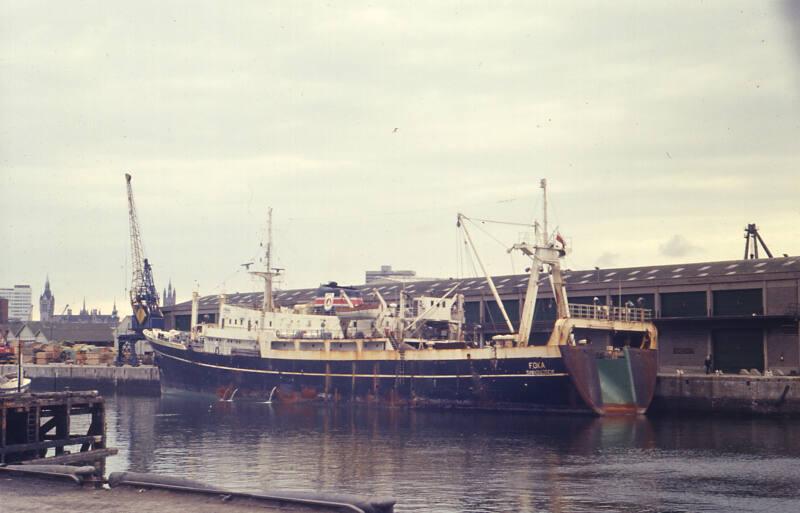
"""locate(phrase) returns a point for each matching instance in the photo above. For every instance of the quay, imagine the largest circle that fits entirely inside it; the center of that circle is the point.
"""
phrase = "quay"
(710, 394)
(66, 491)
(142, 380)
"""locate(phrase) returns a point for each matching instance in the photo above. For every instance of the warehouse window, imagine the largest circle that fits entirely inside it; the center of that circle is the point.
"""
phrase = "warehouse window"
(587, 300)
(183, 322)
(472, 312)
(738, 302)
(545, 310)
(642, 300)
(493, 315)
(683, 304)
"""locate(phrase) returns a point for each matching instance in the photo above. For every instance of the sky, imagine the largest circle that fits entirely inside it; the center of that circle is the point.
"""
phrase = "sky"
(663, 128)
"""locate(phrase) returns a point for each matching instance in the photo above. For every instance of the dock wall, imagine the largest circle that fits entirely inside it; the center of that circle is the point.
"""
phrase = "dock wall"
(726, 395)
(143, 380)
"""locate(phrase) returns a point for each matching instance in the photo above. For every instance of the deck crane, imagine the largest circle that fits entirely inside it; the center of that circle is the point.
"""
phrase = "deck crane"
(143, 294)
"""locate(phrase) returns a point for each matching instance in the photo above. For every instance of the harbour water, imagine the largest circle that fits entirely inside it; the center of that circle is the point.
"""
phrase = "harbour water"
(454, 461)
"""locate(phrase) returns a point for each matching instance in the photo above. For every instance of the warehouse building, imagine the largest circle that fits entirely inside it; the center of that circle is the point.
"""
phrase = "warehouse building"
(744, 313)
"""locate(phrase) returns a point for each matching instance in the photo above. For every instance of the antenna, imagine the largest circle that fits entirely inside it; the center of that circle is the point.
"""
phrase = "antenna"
(543, 185)
(269, 272)
(268, 304)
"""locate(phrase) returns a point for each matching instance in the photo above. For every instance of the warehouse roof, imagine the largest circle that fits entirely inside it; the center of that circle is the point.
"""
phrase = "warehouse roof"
(628, 277)
(90, 333)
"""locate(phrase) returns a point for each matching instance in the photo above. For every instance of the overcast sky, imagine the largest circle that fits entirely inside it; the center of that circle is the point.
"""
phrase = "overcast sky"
(663, 128)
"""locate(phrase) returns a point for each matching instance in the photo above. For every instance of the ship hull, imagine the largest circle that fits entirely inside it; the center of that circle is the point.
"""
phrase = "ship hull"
(531, 384)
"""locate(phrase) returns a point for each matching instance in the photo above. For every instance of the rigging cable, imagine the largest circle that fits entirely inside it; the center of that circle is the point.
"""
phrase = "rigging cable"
(510, 223)
(503, 244)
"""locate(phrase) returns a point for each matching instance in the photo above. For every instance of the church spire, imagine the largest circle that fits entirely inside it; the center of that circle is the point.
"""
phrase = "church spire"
(46, 302)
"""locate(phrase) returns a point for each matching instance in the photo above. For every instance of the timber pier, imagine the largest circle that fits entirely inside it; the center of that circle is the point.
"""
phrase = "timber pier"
(56, 428)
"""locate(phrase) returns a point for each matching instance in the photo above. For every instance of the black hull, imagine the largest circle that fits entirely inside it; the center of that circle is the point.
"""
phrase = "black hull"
(526, 384)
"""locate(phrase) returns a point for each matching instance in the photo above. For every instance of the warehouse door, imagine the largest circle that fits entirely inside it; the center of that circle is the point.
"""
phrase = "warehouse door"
(736, 349)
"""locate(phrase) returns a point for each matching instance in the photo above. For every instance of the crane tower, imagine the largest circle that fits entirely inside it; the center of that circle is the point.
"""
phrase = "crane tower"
(143, 294)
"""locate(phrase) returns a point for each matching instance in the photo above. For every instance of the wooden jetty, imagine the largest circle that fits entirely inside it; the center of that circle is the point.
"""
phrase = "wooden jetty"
(59, 428)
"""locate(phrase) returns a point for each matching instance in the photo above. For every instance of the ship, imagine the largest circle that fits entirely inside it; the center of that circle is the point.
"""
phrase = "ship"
(414, 352)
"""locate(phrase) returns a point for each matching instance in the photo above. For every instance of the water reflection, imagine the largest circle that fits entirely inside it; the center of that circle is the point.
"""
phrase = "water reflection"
(465, 461)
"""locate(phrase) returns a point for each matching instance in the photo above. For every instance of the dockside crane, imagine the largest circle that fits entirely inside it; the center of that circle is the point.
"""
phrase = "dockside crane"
(143, 294)
(753, 237)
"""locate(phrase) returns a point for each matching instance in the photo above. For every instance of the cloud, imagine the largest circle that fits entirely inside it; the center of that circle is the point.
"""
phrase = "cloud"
(219, 112)
(608, 259)
(678, 246)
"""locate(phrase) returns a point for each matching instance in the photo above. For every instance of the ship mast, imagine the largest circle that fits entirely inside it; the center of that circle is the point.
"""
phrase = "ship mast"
(268, 304)
(543, 185)
(543, 252)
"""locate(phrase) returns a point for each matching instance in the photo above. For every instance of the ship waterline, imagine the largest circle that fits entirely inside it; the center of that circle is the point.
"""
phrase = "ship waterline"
(532, 378)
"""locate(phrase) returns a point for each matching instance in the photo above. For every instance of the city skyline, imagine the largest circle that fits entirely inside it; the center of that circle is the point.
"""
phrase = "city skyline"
(368, 128)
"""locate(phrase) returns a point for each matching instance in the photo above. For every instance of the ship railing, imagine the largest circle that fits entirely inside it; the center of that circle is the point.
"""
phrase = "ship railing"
(610, 313)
